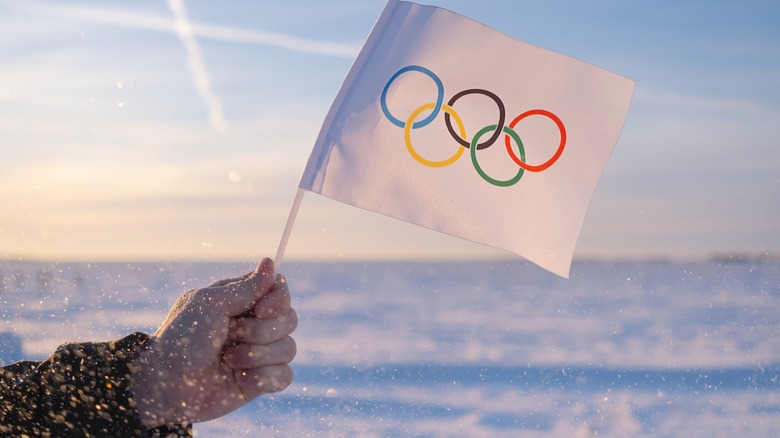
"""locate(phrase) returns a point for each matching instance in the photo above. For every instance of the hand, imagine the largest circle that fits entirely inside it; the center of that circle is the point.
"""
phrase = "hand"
(218, 348)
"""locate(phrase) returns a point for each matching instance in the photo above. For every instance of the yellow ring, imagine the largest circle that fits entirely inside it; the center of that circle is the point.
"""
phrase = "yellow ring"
(408, 136)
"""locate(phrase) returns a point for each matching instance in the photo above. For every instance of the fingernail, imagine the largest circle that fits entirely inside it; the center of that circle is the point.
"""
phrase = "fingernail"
(266, 265)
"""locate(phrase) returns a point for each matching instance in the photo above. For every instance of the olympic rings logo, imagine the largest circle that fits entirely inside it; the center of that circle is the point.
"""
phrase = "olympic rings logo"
(459, 135)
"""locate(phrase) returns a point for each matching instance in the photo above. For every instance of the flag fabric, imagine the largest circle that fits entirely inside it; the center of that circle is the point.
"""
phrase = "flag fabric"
(448, 124)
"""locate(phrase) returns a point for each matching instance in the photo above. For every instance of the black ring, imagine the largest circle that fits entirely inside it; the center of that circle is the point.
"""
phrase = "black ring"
(499, 126)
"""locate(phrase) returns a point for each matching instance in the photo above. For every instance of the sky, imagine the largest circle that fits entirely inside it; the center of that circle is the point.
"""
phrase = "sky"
(152, 130)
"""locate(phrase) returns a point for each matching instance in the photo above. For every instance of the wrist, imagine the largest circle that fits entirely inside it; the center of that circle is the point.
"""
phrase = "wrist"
(145, 386)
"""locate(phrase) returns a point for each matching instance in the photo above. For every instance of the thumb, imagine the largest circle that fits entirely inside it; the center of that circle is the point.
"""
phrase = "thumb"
(241, 295)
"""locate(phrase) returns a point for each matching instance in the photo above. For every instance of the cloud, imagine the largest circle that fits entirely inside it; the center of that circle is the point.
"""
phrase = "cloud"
(137, 20)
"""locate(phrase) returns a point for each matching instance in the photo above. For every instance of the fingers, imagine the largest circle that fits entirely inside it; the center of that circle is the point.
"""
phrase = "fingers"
(239, 296)
(262, 331)
(276, 302)
(248, 356)
(263, 380)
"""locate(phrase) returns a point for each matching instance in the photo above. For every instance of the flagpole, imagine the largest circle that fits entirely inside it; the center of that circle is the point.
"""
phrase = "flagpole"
(288, 229)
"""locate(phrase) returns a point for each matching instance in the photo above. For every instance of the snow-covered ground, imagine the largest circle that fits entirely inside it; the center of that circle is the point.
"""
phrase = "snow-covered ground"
(654, 348)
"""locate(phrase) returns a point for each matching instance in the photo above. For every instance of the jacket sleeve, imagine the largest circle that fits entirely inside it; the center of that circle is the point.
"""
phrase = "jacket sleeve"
(82, 389)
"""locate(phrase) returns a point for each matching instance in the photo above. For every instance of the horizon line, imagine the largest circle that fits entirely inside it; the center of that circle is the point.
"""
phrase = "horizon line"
(712, 257)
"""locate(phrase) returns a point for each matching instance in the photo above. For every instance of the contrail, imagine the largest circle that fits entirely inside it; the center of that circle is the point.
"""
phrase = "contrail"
(276, 39)
(137, 20)
(196, 65)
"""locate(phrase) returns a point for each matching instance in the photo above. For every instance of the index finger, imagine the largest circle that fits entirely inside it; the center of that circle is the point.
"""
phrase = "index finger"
(276, 302)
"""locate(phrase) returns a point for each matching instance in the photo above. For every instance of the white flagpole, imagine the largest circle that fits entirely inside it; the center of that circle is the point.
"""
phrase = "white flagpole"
(288, 229)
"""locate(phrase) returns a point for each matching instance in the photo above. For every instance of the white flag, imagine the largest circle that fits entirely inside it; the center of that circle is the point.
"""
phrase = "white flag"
(448, 124)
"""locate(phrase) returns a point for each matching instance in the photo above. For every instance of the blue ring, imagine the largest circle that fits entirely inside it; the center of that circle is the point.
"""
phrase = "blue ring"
(436, 108)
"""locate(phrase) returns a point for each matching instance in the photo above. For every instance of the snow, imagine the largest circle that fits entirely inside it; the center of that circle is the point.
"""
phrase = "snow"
(650, 348)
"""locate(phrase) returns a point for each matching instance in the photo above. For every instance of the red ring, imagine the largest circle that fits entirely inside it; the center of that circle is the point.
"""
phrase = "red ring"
(548, 163)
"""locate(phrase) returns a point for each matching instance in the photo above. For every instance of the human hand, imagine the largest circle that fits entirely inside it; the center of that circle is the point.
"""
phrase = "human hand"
(219, 347)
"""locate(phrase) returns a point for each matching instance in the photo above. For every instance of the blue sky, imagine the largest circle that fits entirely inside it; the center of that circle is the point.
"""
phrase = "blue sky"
(178, 130)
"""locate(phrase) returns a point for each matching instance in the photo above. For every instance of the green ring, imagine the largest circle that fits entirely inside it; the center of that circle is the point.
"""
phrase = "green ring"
(474, 141)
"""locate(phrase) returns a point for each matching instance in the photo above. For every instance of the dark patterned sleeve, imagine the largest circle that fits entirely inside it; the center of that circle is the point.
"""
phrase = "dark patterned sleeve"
(81, 390)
